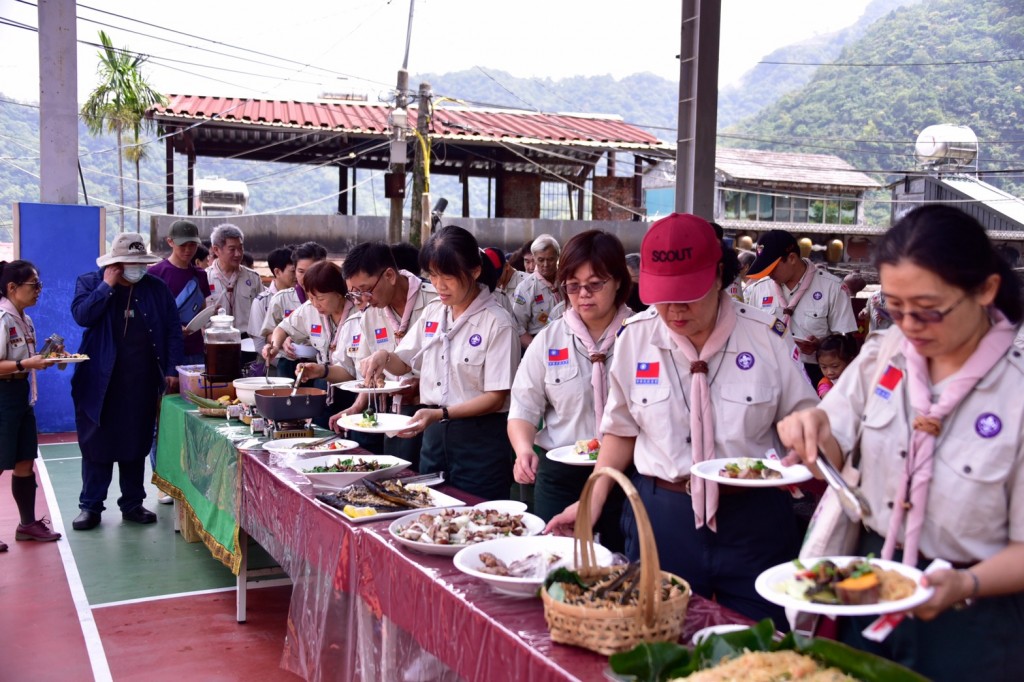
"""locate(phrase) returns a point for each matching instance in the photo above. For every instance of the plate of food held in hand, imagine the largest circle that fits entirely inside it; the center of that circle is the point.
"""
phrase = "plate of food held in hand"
(583, 453)
(844, 586)
(751, 472)
(363, 386)
(68, 358)
(447, 531)
(387, 423)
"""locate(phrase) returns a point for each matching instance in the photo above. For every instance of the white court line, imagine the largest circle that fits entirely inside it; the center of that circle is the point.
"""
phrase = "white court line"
(142, 600)
(61, 459)
(93, 643)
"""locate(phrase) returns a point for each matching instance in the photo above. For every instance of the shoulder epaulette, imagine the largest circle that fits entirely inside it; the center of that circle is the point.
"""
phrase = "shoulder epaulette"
(644, 315)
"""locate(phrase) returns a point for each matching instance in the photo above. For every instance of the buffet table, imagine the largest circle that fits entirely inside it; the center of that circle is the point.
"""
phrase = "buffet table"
(363, 607)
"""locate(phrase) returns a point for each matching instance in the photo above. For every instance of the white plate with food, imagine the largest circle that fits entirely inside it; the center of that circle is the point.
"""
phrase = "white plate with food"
(338, 471)
(357, 386)
(387, 423)
(69, 359)
(751, 472)
(354, 505)
(582, 453)
(201, 319)
(447, 531)
(844, 586)
(517, 566)
(291, 445)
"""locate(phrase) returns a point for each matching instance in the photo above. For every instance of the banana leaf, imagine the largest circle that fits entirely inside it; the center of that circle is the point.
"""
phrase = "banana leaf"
(199, 401)
(664, 661)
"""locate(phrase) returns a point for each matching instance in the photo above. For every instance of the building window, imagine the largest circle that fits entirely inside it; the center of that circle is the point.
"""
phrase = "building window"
(559, 201)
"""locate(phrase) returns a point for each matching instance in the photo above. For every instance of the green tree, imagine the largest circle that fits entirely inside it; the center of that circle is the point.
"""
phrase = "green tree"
(119, 103)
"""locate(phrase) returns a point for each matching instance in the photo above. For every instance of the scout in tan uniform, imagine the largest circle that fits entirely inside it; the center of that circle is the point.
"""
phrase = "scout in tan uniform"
(465, 350)
(280, 263)
(537, 295)
(811, 302)
(394, 299)
(562, 380)
(693, 381)
(936, 415)
(508, 281)
(19, 444)
(286, 301)
(233, 286)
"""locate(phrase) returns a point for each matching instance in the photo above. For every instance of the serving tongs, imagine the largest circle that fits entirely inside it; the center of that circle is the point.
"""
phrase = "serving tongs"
(852, 500)
(317, 443)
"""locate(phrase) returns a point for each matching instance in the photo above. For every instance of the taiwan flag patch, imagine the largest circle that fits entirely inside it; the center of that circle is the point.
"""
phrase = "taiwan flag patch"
(539, 298)
(766, 301)
(381, 334)
(888, 382)
(558, 356)
(212, 287)
(647, 372)
(288, 312)
(316, 330)
(13, 333)
(356, 339)
(429, 328)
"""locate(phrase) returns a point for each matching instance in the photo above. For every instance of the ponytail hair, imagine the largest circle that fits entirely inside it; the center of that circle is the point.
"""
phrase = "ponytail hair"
(16, 271)
(955, 247)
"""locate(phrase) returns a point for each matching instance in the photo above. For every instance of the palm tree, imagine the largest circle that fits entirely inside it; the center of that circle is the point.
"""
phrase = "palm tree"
(136, 152)
(119, 101)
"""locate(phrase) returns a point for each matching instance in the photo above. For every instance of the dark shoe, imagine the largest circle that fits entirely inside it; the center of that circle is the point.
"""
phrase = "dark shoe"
(3, 546)
(139, 515)
(38, 530)
(87, 520)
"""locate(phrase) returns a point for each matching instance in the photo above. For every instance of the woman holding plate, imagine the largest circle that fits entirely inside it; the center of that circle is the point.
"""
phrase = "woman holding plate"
(563, 378)
(466, 351)
(697, 377)
(940, 430)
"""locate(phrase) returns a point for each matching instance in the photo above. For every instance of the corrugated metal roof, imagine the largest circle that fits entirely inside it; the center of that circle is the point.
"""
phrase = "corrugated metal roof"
(800, 228)
(787, 167)
(451, 123)
(994, 198)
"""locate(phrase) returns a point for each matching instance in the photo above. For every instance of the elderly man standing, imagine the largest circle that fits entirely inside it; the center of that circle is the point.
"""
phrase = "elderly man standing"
(810, 302)
(233, 286)
(536, 298)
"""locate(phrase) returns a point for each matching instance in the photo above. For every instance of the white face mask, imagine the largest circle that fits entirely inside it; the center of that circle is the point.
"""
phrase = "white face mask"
(133, 273)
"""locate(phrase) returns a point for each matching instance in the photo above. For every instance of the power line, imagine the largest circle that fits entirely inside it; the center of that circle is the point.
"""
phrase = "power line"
(897, 64)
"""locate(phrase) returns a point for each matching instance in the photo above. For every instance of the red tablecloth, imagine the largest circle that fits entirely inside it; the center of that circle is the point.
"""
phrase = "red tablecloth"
(365, 608)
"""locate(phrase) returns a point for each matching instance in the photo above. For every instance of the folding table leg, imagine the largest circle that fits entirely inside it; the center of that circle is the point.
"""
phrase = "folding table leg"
(242, 579)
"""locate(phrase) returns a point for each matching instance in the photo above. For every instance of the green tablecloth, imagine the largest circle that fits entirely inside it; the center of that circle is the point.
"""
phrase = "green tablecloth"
(197, 464)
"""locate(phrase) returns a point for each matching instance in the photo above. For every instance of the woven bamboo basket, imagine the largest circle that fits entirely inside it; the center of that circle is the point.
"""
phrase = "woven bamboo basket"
(619, 628)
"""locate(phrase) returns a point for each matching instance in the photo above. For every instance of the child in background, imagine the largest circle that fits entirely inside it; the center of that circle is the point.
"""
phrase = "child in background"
(834, 353)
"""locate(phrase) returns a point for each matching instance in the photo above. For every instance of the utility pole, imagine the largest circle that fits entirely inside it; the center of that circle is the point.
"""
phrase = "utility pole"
(398, 156)
(58, 102)
(419, 222)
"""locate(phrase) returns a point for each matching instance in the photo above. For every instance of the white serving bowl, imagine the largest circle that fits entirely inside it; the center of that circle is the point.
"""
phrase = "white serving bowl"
(304, 351)
(704, 633)
(341, 479)
(503, 506)
(245, 388)
(512, 549)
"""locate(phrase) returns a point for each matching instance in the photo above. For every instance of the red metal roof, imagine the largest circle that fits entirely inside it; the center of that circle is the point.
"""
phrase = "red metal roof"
(453, 123)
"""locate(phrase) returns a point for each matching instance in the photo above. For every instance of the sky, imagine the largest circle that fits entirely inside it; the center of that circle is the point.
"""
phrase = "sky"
(358, 45)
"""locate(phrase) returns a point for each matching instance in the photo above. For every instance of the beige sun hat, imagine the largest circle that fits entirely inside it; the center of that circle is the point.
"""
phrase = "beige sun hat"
(128, 247)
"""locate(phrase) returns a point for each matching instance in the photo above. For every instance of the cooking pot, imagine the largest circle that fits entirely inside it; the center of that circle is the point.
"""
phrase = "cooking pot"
(245, 388)
(279, 404)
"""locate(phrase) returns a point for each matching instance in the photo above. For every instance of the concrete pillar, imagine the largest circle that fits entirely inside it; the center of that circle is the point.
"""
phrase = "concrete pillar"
(58, 102)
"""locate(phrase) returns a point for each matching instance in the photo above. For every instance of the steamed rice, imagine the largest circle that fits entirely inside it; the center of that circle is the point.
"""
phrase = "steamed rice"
(764, 666)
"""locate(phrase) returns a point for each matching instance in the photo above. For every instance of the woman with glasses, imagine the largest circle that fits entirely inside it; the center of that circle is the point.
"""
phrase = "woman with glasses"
(562, 381)
(697, 377)
(935, 415)
(19, 289)
(465, 349)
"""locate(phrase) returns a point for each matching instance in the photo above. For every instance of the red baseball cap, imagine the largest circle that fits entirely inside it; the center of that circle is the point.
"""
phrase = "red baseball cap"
(679, 259)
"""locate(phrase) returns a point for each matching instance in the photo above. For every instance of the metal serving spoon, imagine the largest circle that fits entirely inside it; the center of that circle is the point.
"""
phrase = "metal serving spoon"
(854, 504)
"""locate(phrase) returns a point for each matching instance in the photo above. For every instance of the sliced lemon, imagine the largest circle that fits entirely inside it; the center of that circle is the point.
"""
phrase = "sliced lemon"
(358, 512)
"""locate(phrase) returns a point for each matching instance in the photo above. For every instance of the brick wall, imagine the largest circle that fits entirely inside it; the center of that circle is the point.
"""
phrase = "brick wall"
(618, 190)
(518, 196)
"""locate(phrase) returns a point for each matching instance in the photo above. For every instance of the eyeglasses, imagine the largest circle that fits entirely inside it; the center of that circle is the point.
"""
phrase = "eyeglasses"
(591, 287)
(359, 296)
(921, 316)
(37, 285)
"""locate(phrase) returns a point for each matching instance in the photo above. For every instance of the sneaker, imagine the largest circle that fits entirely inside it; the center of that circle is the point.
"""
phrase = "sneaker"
(165, 499)
(39, 531)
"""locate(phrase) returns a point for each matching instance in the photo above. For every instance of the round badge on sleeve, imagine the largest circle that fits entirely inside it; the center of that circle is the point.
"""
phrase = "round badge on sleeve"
(988, 425)
(816, 295)
(744, 360)
(248, 282)
(475, 340)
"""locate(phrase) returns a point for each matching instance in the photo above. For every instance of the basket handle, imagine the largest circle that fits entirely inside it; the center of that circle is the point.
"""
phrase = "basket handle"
(586, 556)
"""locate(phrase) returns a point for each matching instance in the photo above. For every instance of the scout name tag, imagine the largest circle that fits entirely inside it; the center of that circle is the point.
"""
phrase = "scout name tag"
(647, 372)
(888, 382)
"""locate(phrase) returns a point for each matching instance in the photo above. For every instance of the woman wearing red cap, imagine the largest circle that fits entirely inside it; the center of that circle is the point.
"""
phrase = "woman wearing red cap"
(700, 376)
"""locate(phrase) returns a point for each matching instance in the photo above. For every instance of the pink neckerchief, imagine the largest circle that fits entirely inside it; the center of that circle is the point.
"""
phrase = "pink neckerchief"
(789, 306)
(702, 426)
(400, 328)
(598, 353)
(21, 323)
(917, 474)
(555, 293)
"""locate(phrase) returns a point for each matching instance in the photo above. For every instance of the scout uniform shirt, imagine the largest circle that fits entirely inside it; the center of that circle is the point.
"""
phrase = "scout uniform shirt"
(976, 495)
(505, 294)
(754, 381)
(281, 305)
(234, 294)
(553, 383)
(379, 332)
(256, 315)
(532, 304)
(825, 308)
(17, 337)
(350, 338)
(482, 355)
(306, 325)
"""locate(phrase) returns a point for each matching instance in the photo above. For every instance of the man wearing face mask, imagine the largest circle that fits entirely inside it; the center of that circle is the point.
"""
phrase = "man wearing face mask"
(133, 339)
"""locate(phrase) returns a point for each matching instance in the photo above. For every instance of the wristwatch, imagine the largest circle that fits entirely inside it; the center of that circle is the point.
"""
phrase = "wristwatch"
(21, 368)
(444, 414)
